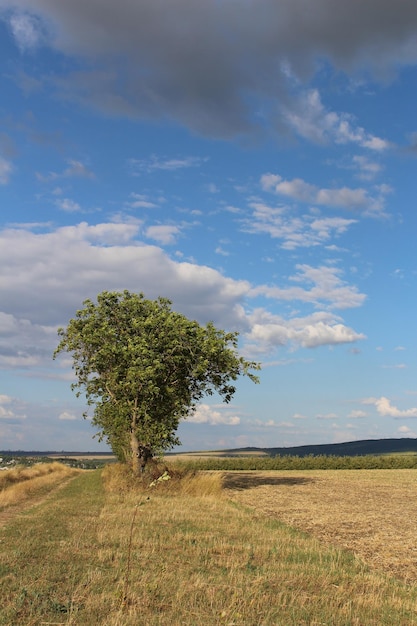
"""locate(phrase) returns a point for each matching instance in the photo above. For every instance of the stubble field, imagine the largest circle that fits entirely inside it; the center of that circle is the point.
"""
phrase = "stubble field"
(370, 512)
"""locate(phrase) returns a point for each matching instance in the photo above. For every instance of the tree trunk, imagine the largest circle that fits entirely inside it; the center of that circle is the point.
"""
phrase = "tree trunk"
(134, 446)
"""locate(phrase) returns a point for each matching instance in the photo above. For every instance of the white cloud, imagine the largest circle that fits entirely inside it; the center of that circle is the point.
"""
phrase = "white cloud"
(163, 234)
(155, 163)
(386, 409)
(367, 169)
(27, 30)
(141, 201)
(68, 205)
(405, 430)
(311, 120)
(11, 410)
(328, 288)
(267, 424)
(67, 416)
(213, 415)
(357, 414)
(24, 344)
(5, 413)
(6, 169)
(91, 258)
(75, 169)
(38, 295)
(268, 331)
(295, 232)
(357, 199)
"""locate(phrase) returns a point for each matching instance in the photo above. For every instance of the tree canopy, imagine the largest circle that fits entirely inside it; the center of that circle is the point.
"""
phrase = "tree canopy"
(145, 367)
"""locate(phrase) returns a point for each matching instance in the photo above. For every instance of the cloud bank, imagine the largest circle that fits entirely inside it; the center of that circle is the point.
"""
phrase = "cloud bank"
(45, 276)
(208, 65)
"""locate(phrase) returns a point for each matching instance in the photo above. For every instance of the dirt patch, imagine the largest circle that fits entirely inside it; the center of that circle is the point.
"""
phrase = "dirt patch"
(371, 512)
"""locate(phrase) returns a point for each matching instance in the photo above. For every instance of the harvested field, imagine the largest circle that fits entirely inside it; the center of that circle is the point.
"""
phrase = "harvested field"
(370, 512)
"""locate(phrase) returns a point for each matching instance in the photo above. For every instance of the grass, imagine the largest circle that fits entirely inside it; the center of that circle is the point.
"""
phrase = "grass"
(100, 553)
(20, 483)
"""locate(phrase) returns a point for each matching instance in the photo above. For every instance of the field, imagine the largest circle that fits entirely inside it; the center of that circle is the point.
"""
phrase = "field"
(371, 512)
(235, 548)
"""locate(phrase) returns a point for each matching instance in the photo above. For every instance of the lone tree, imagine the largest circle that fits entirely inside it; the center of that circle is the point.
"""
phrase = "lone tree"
(145, 367)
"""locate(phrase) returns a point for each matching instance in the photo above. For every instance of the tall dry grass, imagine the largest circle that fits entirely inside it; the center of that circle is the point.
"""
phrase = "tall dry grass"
(118, 478)
(21, 483)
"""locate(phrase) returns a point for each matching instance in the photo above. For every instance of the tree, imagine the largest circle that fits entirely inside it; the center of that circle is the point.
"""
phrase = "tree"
(145, 367)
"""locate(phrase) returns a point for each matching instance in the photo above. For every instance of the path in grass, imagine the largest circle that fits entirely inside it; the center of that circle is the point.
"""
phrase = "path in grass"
(36, 498)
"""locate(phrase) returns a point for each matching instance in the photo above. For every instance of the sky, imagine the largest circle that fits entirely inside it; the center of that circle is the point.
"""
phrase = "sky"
(253, 161)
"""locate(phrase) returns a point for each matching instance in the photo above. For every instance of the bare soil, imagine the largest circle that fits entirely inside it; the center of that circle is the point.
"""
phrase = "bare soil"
(370, 512)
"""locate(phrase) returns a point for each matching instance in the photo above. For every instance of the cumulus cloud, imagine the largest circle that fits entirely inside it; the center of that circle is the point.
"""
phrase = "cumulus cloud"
(213, 415)
(90, 258)
(269, 330)
(386, 409)
(37, 294)
(353, 199)
(23, 344)
(164, 234)
(208, 64)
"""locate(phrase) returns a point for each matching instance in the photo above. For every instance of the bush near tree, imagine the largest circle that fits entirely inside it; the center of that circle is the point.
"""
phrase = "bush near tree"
(145, 367)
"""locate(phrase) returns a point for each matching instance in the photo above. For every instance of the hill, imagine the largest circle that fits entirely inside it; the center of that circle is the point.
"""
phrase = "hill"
(351, 448)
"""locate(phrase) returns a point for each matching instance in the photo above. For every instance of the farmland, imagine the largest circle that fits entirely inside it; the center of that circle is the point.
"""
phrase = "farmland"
(235, 548)
(371, 512)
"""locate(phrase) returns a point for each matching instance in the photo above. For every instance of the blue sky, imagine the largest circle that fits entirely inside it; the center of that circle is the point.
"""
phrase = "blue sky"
(252, 161)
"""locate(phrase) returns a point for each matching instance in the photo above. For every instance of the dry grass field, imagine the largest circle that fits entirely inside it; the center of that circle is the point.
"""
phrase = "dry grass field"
(370, 512)
(26, 486)
(207, 548)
